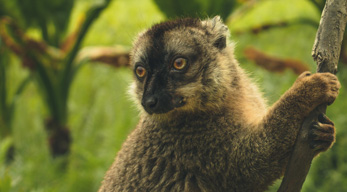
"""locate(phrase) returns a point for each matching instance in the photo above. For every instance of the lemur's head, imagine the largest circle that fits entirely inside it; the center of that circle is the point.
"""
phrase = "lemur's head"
(182, 65)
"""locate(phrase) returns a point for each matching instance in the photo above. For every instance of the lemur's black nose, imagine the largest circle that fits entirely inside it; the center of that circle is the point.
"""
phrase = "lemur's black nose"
(150, 103)
(157, 103)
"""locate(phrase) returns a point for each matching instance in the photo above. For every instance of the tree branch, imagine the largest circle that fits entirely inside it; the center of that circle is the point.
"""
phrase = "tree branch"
(274, 64)
(326, 52)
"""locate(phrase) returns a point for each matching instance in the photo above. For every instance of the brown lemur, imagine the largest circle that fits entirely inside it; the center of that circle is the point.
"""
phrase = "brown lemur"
(204, 126)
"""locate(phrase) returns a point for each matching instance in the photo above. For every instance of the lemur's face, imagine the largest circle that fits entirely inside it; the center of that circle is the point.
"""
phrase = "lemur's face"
(174, 64)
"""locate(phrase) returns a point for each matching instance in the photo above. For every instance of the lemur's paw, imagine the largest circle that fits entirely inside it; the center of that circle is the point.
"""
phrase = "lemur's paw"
(322, 134)
(320, 88)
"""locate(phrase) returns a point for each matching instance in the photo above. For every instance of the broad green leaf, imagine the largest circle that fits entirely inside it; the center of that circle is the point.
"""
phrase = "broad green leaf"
(196, 8)
(274, 12)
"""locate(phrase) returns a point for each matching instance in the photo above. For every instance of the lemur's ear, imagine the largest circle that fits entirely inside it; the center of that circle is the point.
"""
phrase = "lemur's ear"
(219, 31)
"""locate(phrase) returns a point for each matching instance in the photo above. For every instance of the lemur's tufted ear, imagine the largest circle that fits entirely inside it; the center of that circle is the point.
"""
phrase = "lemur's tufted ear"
(218, 30)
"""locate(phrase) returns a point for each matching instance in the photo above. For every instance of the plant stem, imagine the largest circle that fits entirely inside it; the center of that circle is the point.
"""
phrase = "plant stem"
(4, 115)
(68, 75)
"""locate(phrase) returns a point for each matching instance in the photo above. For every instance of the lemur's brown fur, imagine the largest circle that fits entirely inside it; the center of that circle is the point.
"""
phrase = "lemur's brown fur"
(207, 127)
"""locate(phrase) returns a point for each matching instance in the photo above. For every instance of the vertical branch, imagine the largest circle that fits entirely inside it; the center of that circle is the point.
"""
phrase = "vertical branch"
(327, 46)
(326, 51)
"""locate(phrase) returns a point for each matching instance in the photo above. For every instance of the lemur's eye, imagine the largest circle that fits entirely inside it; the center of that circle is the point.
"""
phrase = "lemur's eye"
(180, 63)
(140, 71)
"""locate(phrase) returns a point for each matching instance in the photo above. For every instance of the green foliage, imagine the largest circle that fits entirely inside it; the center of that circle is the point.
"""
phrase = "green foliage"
(101, 119)
(319, 4)
(5, 144)
(53, 68)
(9, 8)
(5, 183)
(7, 101)
(121, 23)
(69, 70)
(277, 12)
(3, 98)
(52, 17)
(196, 8)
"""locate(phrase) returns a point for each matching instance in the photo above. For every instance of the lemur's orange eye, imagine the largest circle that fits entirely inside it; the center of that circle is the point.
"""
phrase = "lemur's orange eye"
(140, 71)
(180, 63)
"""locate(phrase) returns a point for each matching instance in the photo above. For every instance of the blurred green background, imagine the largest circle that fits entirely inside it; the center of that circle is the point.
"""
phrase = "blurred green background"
(96, 108)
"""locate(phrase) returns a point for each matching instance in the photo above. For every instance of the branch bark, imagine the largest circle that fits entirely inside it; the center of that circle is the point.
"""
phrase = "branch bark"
(274, 64)
(116, 56)
(326, 51)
